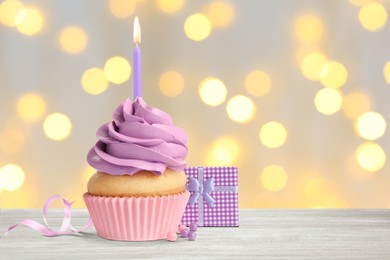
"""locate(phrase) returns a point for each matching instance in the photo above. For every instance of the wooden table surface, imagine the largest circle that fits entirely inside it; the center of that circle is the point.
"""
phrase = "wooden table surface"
(263, 234)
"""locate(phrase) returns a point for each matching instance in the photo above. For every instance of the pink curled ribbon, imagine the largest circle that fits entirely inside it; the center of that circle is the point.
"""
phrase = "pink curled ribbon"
(66, 227)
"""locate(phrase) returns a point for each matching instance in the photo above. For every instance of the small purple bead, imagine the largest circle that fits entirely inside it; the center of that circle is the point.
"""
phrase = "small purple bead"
(184, 233)
(191, 235)
(193, 226)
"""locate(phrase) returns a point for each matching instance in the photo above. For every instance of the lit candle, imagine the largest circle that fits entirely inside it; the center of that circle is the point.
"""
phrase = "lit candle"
(137, 59)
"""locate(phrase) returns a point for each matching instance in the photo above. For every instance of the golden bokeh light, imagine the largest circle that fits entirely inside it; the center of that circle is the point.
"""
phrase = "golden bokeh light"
(94, 81)
(241, 109)
(29, 21)
(356, 104)
(9, 10)
(57, 126)
(197, 27)
(224, 151)
(359, 2)
(220, 14)
(370, 156)
(12, 140)
(11, 177)
(386, 72)
(313, 64)
(258, 83)
(309, 29)
(122, 8)
(171, 83)
(333, 75)
(73, 40)
(274, 178)
(328, 101)
(117, 70)
(373, 16)
(212, 91)
(31, 107)
(170, 6)
(370, 125)
(273, 134)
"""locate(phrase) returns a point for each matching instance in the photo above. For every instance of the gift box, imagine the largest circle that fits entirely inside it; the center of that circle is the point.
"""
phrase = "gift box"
(214, 197)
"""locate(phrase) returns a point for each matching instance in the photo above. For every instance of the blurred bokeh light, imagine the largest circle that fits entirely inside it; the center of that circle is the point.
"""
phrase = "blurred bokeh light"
(333, 75)
(29, 21)
(171, 83)
(328, 101)
(273, 134)
(359, 2)
(197, 27)
(117, 70)
(370, 125)
(31, 107)
(220, 14)
(11, 177)
(224, 151)
(312, 65)
(356, 104)
(274, 177)
(258, 83)
(370, 156)
(309, 29)
(9, 11)
(94, 81)
(373, 16)
(73, 39)
(170, 6)
(241, 109)
(212, 91)
(386, 72)
(122, 8)
(57, 126)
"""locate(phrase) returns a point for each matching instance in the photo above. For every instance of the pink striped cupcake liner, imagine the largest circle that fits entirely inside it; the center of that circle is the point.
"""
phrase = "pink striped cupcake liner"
(136, 218)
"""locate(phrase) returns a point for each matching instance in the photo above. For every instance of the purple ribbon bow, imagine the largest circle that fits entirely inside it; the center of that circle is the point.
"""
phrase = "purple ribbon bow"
(202, 190)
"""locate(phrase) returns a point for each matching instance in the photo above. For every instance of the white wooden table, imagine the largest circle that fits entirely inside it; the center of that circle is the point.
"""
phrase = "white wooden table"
(265, 234)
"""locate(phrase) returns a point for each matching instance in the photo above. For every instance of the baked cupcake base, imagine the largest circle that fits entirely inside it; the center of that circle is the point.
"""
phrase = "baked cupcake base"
(141, 184)
(136, 218)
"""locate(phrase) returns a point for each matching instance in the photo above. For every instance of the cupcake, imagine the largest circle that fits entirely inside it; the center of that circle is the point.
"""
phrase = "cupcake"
(138, 192)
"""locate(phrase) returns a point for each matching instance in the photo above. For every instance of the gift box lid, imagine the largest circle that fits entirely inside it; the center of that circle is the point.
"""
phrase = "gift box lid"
(223, 176)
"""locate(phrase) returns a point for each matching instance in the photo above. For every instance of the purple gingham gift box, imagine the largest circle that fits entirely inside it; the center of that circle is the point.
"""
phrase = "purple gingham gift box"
(214, 197)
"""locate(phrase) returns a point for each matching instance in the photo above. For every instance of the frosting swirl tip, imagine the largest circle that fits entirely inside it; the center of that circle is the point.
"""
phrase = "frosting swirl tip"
(139, 137)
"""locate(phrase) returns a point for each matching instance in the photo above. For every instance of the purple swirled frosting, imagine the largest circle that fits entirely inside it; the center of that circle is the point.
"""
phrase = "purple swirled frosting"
(138, 138)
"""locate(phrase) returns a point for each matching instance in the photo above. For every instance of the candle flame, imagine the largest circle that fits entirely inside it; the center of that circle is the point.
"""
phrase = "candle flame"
(137, 31)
